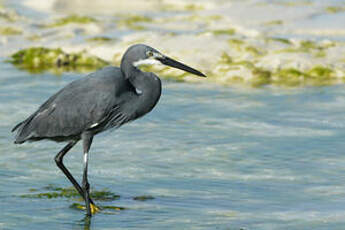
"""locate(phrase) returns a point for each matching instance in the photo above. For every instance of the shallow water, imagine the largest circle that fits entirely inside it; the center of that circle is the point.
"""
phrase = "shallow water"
(212, 157)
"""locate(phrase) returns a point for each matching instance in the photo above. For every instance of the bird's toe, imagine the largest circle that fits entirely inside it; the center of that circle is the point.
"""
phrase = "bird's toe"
(94, 209)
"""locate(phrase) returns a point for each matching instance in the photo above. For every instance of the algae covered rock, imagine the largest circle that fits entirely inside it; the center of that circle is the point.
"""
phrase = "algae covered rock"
(229, 31)
(134, 22)
(100, 39)
(76, 19)
(39, 59)
(8, 15)
(235, 71)
(9, 31)
(335, 9)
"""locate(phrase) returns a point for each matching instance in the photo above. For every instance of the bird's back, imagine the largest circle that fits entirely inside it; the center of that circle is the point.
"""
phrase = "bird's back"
(83, 104)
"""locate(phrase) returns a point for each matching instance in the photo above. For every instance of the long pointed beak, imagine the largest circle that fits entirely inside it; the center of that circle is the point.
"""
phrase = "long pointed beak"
(171, 62)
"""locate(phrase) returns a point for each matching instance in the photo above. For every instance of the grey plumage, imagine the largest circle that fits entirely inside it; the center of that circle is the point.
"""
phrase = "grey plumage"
(105, 99)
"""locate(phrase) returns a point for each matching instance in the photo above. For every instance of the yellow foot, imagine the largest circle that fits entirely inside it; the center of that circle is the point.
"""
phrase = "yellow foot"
(94, 208)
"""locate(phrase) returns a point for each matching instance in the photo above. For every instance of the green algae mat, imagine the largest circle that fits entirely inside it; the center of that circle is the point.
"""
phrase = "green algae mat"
(100, 196)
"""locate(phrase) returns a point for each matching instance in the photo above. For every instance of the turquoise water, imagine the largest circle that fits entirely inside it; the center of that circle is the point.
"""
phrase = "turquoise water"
(213, 157)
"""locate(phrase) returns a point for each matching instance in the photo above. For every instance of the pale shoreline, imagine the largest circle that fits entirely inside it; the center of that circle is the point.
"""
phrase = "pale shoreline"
(201, 33)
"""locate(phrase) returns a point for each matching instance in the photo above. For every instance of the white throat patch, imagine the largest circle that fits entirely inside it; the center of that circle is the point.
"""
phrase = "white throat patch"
(148, 61)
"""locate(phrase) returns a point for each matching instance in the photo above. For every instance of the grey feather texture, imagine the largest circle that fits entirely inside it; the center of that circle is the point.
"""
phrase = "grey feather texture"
(103, 97)
(107, 98)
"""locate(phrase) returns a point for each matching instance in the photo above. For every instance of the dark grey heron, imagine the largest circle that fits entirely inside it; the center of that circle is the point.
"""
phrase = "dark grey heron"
(107, 98)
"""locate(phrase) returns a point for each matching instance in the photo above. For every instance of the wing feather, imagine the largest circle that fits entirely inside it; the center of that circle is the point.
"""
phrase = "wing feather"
(95, 99)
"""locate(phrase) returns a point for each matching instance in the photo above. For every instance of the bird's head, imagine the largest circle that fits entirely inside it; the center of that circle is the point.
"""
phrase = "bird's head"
(140, 54)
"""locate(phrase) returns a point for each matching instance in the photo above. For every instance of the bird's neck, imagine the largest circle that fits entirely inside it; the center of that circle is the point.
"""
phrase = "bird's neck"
(148, 89)
(143, 82)
(135, 77)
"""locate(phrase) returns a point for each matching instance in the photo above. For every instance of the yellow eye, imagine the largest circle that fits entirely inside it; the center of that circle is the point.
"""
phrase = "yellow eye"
(149, 53)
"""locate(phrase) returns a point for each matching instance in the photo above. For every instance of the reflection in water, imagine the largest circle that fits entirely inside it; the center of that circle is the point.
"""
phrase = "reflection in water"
(83, 224)
(87, 222)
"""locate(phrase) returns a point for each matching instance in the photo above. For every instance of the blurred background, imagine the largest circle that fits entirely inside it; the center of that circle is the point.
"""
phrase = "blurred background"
(256, 145)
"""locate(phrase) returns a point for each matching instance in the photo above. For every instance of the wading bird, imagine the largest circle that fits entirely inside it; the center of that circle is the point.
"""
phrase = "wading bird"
(107, 98)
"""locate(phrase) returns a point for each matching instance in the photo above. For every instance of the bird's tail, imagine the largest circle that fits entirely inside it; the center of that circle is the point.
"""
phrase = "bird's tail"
(21, 127)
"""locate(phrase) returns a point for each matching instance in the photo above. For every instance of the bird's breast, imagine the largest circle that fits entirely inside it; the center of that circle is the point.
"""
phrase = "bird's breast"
(148, 97)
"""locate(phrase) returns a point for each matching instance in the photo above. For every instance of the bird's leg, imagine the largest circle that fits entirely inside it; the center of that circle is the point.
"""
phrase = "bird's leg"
(90, 207)
(86, 185)
(59, 163)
